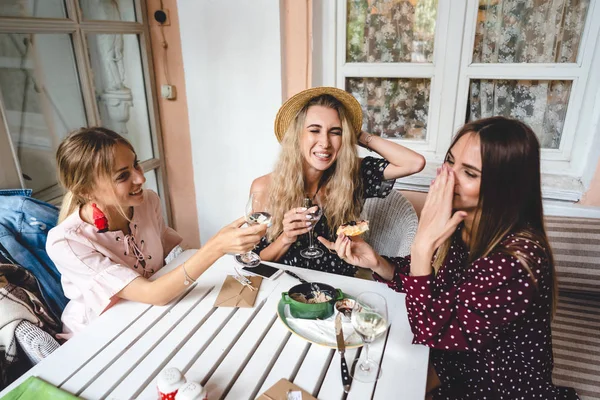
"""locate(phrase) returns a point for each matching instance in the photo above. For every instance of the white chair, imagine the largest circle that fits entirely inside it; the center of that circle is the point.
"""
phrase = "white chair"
(392, 224)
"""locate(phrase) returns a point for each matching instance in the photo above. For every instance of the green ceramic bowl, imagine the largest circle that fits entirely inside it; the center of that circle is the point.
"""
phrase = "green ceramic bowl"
(312, 310)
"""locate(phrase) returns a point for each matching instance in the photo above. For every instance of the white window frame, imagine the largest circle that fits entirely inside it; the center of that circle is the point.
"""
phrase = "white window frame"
(567, 171)
(75, 25)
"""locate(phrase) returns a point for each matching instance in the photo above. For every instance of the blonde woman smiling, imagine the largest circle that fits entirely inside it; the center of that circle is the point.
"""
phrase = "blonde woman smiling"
(112, 236)
(319, 129)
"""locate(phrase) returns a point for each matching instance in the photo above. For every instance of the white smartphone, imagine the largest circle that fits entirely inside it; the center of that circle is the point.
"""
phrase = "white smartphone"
(264, 270)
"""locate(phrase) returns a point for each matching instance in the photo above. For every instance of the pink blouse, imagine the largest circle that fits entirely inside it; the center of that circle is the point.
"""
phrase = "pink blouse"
(96, 266)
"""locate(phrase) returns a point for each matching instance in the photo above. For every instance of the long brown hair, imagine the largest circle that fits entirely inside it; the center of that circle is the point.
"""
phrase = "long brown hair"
(84, 156)
(510, 194)
(340, 185)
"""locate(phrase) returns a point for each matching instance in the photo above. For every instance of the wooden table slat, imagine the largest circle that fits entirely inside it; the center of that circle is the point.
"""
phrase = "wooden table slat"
(194, 347)
(314, 366)
(259, 365)
(286, 364)
(256, 331)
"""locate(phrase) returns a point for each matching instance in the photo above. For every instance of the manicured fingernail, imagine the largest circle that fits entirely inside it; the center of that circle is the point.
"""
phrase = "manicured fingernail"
(308, 223)
(439, 170)
(303, 208)
(308, 216)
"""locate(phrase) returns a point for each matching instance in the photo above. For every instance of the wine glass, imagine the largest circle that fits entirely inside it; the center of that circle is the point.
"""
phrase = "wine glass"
(369, 319)
(314, 214)
(257, 212)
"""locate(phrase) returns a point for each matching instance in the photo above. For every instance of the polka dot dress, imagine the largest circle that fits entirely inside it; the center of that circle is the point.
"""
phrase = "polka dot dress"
(371, 174)
(487, 323)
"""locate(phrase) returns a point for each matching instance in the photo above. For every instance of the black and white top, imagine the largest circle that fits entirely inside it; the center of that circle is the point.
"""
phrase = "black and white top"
(373, 185)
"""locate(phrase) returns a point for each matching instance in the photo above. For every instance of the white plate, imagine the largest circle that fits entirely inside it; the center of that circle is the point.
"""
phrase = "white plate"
(321, 332)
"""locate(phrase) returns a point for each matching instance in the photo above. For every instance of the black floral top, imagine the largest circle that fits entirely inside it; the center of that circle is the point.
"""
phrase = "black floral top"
(371, 174)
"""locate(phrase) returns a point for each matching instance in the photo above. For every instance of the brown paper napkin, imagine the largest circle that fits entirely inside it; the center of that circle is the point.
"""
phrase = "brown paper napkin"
(279, 391)
(234, 294)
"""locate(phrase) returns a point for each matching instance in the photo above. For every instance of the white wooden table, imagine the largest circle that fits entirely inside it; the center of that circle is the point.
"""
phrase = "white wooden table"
(236, 353)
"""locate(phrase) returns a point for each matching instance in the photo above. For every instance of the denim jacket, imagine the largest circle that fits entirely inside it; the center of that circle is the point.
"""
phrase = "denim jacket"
(24, 226)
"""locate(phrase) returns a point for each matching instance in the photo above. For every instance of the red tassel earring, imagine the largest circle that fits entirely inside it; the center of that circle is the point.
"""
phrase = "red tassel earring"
(100, 219)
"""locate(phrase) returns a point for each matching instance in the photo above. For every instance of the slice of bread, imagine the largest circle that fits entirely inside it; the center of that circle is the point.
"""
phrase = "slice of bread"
(353, 228)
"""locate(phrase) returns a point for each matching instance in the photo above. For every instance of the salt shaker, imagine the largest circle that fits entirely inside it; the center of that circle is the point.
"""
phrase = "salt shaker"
(169, 381)
(191, 391)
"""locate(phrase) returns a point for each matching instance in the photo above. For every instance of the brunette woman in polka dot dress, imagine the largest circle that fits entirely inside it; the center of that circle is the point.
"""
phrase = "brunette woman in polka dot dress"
(484, 303)
(319, 129)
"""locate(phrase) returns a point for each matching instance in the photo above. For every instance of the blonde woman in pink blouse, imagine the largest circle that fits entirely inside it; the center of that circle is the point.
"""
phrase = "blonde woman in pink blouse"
(111, 235)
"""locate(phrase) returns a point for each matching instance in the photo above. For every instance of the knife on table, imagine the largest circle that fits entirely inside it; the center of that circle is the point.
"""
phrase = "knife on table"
(339, 334)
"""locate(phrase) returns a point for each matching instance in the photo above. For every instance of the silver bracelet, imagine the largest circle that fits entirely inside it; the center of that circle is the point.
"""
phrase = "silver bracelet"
(188, 279)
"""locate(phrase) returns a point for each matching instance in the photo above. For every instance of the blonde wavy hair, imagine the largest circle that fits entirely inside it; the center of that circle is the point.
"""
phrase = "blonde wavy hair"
(83, 157)
(340, 190)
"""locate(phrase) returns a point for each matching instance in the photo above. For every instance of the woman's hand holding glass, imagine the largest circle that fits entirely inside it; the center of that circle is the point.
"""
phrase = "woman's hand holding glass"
(313, 215)
(295, 223)
(257, 214)
(233, 239)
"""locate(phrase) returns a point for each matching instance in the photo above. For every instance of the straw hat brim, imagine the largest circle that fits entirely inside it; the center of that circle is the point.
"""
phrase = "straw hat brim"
(290, 109)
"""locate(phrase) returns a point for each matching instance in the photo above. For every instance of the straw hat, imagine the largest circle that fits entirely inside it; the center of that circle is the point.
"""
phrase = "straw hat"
(290, 109)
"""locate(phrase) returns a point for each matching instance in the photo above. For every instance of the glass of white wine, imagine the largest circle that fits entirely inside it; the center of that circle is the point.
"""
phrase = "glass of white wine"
(314, 214)
(370, 320)
(257, 212)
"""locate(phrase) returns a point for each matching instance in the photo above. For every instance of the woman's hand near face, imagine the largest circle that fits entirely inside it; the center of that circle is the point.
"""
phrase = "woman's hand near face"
(437, 222)
(295, 223)
(233, 239)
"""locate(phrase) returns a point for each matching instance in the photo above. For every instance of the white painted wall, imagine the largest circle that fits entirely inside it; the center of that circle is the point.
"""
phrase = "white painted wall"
(232, 63)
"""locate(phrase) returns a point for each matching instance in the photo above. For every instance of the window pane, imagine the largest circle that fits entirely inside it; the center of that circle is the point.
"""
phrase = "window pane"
(393, 107)
(520, 31)
(42, 100)
(111, 10)
(33, 8)
(120, 91)
(540, 104)
(390, 30)
(151, 181)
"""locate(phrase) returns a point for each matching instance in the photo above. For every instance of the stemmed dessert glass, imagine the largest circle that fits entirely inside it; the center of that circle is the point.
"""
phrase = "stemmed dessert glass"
(314, 214)
(257, 212)
(369, 319)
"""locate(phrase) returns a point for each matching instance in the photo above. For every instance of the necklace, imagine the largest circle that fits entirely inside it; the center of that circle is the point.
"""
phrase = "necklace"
(308, 200)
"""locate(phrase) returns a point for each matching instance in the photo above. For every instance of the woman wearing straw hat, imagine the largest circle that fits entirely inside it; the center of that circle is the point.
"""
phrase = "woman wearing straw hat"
(319, 129)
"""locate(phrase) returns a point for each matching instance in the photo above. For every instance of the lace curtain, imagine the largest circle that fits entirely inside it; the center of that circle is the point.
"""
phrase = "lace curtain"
(393, 107)
(507, 31)
(390, 30)
(540, 104)
(529, 31)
